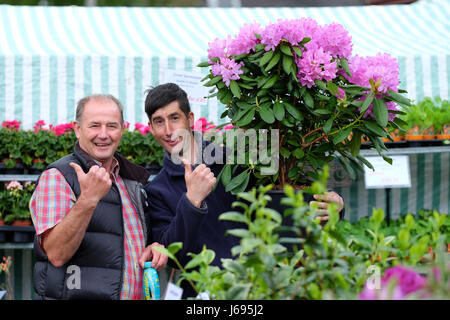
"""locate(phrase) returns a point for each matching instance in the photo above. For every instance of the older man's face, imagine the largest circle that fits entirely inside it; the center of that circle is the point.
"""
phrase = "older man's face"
(100, 130)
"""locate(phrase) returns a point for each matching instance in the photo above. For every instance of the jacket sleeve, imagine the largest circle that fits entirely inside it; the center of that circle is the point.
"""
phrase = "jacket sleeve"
(180, 226)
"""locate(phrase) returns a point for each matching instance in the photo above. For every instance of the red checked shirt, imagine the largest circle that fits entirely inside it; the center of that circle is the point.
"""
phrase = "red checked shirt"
(52, 201)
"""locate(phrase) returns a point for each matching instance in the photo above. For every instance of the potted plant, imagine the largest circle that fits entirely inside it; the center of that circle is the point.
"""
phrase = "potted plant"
(420, 119)
(15, 199)
(299, 78)
(442, 119)
(11, 147)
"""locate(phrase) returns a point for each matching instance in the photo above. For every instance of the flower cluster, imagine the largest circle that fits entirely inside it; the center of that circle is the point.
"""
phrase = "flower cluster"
(397, 284)
(13, 185)
(203, 125)
(58, 130)
(12, 125)
(323, 45)
(142, 128)
(4, 266)
(381, 72)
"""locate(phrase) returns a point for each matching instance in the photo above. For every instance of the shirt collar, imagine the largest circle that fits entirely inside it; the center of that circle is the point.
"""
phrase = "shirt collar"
(114, 170)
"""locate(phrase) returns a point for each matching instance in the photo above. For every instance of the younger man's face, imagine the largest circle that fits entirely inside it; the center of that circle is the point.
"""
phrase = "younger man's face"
(168, 120)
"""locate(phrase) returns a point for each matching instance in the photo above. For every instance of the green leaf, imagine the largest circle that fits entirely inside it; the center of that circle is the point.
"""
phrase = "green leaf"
(293, 111)
(287, 64)
(399, 98)
(273, 62)
(235, 89)
(213, 81)
(298, 153)
(278, 110)
(233, 216)
(271, 82)
(285, 152)
(355, 143)
(380, 112)
(327, 125)
(247, 118)
(341, 135)
(321, 84)
(286, 50)
(236, 181)
(308, 100)
(226, 175)
(365, 161)
(204, 64)
(267, 114)
(241, 233)
(266, 58)
(366, 103)
(297, 51)
(333, 88)
(322, 111)
(238, 292)
(375, 128)
(344, 64)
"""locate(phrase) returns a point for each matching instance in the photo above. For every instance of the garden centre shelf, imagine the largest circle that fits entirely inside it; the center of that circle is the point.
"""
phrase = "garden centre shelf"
(416, 150)
(18, 177)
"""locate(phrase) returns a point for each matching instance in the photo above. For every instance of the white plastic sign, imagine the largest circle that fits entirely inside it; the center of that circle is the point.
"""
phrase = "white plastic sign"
(386, 175)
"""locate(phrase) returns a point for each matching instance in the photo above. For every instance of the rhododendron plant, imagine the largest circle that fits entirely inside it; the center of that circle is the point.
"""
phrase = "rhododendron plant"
(300, 78)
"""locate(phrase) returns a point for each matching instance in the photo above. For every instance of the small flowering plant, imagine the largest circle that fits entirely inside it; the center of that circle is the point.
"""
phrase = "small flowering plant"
(300, 78)
(14, 201)
(5, 265)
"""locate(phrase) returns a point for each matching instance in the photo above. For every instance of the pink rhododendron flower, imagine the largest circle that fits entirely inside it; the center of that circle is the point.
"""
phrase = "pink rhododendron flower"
(382, 69)
(218, 48)
(126, 125)
(315, 65)
(228, 69)
(245, 40)
(407, 281)
(14, 185)
(334, 39)
(272, 35)
(13, 124)
(298, 29)
(142, 128)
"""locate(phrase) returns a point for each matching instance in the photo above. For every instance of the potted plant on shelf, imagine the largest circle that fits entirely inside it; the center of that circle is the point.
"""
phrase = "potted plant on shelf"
(14, 203)
(299, 78)
(442, 119)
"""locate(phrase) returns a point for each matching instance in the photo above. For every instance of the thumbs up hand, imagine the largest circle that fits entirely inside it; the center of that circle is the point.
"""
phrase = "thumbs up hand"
(95, 184)
(199, 183)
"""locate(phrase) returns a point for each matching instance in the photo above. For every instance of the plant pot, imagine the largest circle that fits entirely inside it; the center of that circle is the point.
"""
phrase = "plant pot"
(18, 168)
(33, 169)
(22, 223)
(414, 134)
(429, 134)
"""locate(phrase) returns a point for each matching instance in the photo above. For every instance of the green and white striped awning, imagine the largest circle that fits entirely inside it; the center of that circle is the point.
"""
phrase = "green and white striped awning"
(50, 57)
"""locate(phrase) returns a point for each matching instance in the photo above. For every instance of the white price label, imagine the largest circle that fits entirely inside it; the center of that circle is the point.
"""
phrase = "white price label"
(386, 175)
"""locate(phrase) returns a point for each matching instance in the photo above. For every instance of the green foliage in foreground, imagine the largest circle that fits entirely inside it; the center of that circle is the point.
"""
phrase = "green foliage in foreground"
(331, 261)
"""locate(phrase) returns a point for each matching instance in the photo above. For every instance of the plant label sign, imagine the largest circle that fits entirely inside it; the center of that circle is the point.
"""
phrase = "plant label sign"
(386, 175)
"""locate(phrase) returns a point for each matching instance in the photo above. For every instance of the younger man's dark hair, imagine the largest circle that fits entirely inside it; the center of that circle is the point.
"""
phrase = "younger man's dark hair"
(162, 95)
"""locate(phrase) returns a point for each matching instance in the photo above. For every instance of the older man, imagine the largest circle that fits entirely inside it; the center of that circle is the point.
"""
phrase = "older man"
(89, 215)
